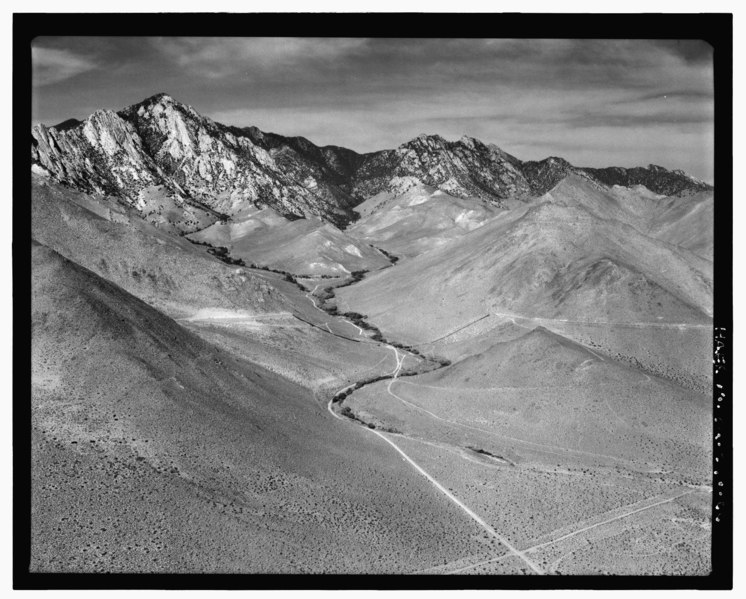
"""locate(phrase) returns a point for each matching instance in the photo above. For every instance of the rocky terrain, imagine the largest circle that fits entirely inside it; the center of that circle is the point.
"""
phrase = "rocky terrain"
(251, 354)
(164, 148)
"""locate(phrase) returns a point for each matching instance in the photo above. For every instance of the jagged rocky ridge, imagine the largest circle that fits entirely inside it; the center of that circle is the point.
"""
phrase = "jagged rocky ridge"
(163, 144)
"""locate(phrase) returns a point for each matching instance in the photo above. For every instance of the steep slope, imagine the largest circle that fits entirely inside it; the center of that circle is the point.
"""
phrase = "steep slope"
(303, 246)
(687, 221)
(330, 163)
(656, 178)
(635, 205)
(545, 174)
(153, 451)
(161, 142)
(546, 390)
(548, 261)
(417, 218)
(578, 191)
(166, 271)
(248, 312)
(464, 168)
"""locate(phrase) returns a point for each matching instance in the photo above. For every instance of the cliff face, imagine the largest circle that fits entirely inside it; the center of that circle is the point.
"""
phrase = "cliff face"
(165, 145)
(163, 142)
(103, 154)
(464, 168)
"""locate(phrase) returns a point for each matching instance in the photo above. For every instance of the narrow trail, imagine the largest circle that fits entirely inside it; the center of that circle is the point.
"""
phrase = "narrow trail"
(538, 320)
(541, 447)
(453, 332)
(661, 325)
(480, 389)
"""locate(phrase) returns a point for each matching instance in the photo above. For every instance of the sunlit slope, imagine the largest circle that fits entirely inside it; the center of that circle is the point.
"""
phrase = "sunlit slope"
(169, 212)
(154, 451)
(562, 450)
(418, 220)
(303, 246)
(552, 262)
(532, 397)
(252, 313)
(631, 205)
(687, 221)
(161, 269)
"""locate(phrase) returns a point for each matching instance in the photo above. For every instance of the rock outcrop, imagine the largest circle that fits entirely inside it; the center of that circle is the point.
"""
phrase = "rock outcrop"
(160, 144)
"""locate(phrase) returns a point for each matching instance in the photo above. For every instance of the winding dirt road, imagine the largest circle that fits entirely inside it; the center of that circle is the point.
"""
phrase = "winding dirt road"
(461, 505)
(555, 450)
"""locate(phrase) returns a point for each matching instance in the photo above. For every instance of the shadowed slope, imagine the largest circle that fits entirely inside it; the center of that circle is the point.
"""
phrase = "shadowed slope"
(153, 451)
(163, 270)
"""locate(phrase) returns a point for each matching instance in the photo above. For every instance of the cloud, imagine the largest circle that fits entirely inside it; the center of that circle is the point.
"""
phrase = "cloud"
(532, 97)
(51, 65)
(223, 57)
(691, 51)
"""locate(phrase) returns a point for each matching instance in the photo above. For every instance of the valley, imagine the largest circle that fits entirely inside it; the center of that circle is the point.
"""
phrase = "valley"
(251, 354)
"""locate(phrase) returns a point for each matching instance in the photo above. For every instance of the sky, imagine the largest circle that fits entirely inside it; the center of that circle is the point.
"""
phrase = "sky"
(593, 102)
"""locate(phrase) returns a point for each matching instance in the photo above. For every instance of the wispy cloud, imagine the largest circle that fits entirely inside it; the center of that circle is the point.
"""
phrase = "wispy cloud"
(52, 65)
(224, 57)
(610, 101)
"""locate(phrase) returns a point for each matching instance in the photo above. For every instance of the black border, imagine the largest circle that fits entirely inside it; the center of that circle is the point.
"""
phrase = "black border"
(716, 29)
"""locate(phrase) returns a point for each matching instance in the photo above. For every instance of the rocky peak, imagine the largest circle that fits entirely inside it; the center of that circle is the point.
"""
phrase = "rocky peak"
(67, 124)
(464, 168)
(543, 175)
(423, 143)
(162, 144)
(469, 141)
(557, 163)
(160, 98)
(656, 178)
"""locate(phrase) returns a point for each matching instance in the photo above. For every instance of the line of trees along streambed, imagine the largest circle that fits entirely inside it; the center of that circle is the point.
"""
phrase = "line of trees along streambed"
(328, 293)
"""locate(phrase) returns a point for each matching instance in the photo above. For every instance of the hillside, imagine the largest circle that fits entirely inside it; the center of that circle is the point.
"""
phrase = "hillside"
(159, 268)
(547, 261)
(155, 451)
(687, 221)
(546, 389)
(302, 246)
(417, 218)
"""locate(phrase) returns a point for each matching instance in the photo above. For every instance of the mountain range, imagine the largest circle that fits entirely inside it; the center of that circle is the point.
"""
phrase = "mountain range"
(161, 153)
(252, 354)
